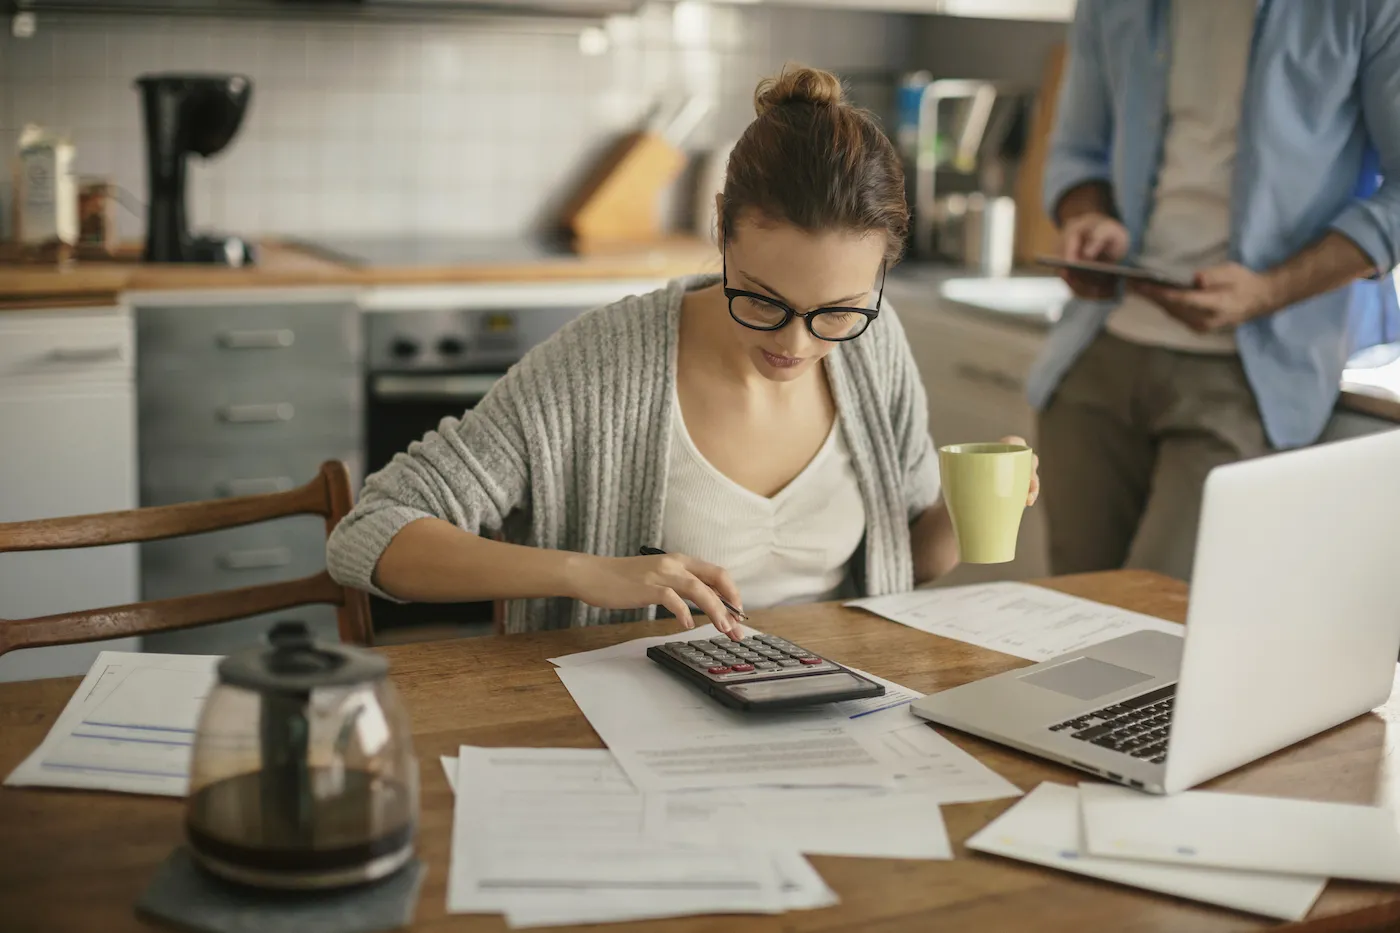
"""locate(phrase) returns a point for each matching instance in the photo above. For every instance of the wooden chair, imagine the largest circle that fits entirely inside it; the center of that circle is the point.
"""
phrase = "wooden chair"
(327, 495)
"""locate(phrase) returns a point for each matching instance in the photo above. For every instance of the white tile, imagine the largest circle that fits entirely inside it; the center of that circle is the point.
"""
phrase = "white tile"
(137, 51)
(34, 103)
(186, 49)
(30, 59)
(330, 52)
(235, 48)
(286, 161)
(244, 215)
(80, 51)
(282, 54)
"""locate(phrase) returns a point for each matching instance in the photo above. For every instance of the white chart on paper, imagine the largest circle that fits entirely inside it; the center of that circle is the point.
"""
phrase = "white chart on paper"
(128, 727)
(1019, 619)
(669, 736)
(1240, 831)
(1043, 828)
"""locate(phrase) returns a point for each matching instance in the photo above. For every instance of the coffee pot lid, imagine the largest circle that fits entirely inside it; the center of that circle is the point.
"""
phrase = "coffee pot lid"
(293, 662)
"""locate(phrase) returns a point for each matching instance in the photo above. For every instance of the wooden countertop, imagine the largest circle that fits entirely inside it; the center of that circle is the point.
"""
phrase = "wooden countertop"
(281, 265)
(79, 861)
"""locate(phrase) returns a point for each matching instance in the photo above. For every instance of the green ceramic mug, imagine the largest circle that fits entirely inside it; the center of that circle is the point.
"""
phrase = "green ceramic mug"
(985, 486)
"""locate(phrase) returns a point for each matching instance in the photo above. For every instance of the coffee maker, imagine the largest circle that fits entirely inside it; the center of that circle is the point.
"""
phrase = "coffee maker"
(188, 113)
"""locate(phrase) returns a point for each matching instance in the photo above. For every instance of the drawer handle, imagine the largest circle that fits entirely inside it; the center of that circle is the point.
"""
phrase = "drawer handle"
(256, 558)
(257, 339)
(256, 486)
(991, 377)
(252, 414)
(87, 354)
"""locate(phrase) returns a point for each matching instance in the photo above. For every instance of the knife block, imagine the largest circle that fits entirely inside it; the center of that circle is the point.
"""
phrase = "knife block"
(621, 201)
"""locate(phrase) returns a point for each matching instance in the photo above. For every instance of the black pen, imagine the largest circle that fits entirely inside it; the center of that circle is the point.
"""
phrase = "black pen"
(742, 617)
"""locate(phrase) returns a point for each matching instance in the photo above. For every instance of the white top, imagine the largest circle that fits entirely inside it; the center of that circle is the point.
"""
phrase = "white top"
(1189, 225)
(791, 548)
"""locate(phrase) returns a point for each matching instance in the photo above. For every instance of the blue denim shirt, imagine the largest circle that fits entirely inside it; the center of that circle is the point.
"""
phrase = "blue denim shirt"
(1319, 131)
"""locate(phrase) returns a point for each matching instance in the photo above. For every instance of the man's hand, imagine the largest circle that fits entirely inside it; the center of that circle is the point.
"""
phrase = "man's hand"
(1225, 296)
(1092, 236)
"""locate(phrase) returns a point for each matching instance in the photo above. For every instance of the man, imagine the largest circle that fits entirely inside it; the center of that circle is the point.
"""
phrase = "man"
(1242, 141)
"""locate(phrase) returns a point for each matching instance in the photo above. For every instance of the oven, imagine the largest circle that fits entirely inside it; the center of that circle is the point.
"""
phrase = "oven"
(435, 352)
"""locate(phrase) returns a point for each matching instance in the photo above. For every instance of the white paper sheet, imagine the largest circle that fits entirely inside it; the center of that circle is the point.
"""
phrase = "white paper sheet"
(553, 835)
(856, 822)
(895, 696)
(128, 727)
(637, 647)
(1019, 619)
(668, 736)
(923, 761)
(801, 888)
(904, 822)
(1272, 834)
(1043, 828)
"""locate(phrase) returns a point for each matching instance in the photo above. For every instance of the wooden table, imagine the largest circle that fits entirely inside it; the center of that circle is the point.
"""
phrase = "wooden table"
(78, 861)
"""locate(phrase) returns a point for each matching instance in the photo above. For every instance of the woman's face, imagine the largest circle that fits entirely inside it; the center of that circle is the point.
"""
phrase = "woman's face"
(804, 271)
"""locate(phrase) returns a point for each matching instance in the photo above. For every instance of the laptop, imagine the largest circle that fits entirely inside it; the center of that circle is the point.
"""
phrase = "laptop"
(1293, 627)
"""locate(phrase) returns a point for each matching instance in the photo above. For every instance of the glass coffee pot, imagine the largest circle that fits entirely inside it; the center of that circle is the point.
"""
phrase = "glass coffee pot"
(303, 774)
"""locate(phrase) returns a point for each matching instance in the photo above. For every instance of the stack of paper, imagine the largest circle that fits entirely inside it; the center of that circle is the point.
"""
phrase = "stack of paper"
(128, 727)
(690, 808)
(1045, 828)
(548, 836)
(1237, 831)
(1019, 619)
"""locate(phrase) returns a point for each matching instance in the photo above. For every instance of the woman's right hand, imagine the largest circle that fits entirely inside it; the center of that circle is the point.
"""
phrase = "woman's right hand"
(660, 580)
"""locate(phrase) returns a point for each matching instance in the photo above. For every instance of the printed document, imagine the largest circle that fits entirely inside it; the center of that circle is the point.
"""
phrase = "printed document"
(128, 727)
(552, 836)
(1043, 828)
(1019, 619)
(1303, 837)
(669, 736)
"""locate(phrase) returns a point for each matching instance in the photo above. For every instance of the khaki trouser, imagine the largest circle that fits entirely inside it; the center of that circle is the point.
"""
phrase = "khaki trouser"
(1125, 445)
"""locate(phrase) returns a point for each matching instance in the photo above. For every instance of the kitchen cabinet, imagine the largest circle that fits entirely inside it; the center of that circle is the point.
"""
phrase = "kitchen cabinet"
(242, 393)
(68, 419)
(974, 366)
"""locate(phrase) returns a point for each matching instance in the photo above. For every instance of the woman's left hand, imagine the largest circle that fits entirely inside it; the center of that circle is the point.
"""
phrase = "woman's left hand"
(1035, 468)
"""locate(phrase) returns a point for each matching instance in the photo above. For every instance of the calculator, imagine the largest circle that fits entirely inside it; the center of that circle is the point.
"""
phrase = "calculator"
(761, 672)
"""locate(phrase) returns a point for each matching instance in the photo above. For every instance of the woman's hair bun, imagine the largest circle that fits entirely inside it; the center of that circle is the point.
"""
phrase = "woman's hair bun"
(798, 85)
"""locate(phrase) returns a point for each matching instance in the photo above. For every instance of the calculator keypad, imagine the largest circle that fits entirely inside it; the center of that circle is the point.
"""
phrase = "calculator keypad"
(758, 656)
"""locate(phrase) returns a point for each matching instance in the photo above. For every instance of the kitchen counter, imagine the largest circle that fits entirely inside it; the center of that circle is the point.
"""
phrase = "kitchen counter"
(285, 265)
(1373, 392)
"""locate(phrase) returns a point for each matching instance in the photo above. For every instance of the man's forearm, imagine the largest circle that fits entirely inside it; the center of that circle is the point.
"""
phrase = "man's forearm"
(1331, 262)
(1092, 197)
(934, 545)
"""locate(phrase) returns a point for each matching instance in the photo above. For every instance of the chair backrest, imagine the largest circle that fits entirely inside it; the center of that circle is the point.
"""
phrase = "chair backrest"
(327, 495)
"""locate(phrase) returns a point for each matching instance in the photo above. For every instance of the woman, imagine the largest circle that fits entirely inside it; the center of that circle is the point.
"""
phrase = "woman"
(766, 427)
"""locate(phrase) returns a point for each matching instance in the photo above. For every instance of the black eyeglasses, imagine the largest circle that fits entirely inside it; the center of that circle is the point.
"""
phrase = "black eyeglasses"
(760, 312)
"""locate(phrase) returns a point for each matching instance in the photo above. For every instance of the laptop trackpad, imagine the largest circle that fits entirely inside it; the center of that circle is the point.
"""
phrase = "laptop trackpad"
(1086, 678)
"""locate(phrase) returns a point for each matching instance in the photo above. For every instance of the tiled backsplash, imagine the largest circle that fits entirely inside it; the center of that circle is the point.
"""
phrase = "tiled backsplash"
(473, 127)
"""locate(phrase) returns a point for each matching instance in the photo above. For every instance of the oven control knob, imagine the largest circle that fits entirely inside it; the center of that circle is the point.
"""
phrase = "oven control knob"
(404, 347)
(451, 346)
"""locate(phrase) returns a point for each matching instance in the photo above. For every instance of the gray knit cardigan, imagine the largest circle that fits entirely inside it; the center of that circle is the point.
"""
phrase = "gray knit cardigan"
(570, 449)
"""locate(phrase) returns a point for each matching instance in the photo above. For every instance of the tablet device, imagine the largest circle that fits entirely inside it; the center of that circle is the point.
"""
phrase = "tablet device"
(1121, 270)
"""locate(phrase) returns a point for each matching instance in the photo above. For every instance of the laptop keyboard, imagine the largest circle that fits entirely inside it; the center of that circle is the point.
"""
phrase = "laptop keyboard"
(1136, 727)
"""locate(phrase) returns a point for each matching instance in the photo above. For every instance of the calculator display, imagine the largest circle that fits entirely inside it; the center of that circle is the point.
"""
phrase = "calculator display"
(796, 688)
